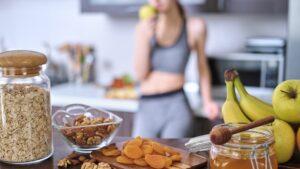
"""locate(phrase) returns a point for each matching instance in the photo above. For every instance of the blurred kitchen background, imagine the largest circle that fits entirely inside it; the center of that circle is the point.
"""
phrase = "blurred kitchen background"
(89, 44)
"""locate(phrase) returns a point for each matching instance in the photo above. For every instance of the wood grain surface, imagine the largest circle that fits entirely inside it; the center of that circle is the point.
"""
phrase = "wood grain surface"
(191, 159)
(62, 149)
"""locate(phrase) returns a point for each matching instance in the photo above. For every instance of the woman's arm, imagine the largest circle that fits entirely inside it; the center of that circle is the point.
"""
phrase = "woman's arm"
(204, 73)
(142, 50)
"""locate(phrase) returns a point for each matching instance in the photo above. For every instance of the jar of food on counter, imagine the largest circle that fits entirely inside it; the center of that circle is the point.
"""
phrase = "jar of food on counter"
(252, 149)
(25, 110)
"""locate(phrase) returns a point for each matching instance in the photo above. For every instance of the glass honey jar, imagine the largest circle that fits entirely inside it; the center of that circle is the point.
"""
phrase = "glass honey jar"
(251, 149)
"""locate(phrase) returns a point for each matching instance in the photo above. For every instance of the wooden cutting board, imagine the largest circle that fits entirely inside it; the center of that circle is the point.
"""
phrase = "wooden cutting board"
(191, 159)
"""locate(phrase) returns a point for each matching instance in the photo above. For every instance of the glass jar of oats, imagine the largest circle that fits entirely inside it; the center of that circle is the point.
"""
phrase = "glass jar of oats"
(25, 110)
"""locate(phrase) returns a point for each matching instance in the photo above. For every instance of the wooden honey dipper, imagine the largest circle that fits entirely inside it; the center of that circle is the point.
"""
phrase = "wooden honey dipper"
(221, 135)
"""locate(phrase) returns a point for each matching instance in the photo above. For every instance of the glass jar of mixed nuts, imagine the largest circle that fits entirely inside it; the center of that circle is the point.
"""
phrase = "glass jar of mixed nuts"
(25, 110)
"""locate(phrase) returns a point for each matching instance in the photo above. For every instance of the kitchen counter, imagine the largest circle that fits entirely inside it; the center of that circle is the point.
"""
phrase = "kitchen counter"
(93, 95)
(62, 149)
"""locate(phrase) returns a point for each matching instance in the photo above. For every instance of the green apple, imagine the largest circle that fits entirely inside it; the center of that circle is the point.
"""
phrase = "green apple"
(286, 101)
(285, 140)
(147, 12)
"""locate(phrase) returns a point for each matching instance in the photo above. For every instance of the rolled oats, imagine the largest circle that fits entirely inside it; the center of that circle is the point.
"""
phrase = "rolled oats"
(25, 123)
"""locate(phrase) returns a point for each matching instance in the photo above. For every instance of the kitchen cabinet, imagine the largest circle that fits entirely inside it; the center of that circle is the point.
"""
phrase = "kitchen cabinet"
(131, 7)
(254, 6)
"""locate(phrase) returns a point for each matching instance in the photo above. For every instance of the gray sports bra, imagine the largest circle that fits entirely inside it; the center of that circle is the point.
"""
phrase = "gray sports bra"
(171, 59)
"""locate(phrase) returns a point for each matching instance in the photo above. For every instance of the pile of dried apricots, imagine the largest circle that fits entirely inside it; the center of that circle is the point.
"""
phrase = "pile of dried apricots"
(145, 152)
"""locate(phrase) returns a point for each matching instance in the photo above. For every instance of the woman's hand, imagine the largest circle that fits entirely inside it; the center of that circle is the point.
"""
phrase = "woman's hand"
(212, 110)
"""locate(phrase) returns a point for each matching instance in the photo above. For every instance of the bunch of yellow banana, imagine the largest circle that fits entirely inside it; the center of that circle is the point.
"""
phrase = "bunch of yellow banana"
(231, 110)
(249, 108)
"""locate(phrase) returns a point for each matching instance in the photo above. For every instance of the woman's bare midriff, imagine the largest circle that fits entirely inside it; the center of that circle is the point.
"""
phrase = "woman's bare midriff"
(161, 82)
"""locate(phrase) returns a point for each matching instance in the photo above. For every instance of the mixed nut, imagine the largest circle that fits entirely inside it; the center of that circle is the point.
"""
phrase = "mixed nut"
(87, 131)
(75, 159)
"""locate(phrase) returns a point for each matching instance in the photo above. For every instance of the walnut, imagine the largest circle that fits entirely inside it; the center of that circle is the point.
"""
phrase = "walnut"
(79, 135)
(111, 128)
(89, 165)
(97, 120)
(94, 140)
(103, 165)
(64, 163)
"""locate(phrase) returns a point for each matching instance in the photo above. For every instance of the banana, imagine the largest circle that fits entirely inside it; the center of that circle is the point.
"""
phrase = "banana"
(231, 110)
(253, 107)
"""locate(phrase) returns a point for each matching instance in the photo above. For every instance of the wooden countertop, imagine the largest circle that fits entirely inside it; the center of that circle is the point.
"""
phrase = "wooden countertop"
(62, 149)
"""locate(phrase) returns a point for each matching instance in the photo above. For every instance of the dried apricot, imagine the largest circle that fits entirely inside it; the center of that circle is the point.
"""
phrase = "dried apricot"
(147, 149)
(176, 157)
(133, 151)
(125, 144)
(140, 162)
(155, 161)
(111, 152)
(147, 142)
(124, 160)
(170, 151)
(168, 162)
(158, 148)
(138, 141)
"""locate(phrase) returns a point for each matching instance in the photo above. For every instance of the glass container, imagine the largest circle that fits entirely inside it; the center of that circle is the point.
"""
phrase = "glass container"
(86, 128)
(25, 110)
(252, 149)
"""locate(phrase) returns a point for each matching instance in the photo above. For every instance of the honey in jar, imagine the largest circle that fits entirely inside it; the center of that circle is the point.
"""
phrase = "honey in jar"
(252, 149)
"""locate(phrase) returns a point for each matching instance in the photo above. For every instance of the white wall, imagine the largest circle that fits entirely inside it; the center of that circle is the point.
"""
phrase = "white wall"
(293, 59)
(26, 24)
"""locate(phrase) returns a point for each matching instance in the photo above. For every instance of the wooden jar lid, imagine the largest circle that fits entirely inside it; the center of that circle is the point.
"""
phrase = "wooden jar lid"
(21, 63)
(21, 59)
